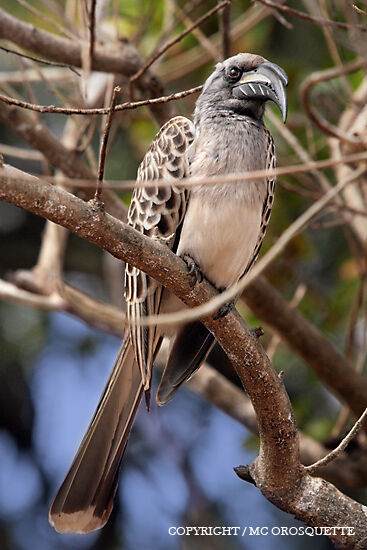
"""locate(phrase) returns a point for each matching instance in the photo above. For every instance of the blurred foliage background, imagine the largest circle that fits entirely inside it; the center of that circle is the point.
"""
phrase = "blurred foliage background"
(178, 467)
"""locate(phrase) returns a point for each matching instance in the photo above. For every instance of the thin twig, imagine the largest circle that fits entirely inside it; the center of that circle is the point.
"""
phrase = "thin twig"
(225, 179)
(359, 10)
(20, 152)
(102, 153)
(86, 135)
(199, 35)
(313, 468)
(92, 23)
(294, 303)
(19, 296)
(104, 111)
(311, 18)
(334, 53)
(177, 18)
(225, 30)
(49, 20)
(53, 63)
(170, 43)
(322, 76)
(190, 60)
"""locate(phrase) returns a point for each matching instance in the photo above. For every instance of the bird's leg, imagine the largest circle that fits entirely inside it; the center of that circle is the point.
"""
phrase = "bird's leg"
(194, 269)
(224, 309)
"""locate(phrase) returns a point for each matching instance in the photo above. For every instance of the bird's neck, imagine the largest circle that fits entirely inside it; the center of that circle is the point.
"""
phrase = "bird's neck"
(215, 116)
(228, 142)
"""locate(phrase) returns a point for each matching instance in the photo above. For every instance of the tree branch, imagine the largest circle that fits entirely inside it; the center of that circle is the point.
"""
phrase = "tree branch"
(277, 470)
(307, 341)
(279, 440)
(127, 61)
(313, 468)
(312, 18)
(65, 298)
(347, 470)
(322, 76)
(128, 105)
(68, 161)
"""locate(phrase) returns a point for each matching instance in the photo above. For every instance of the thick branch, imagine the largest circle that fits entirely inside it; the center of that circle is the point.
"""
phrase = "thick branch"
(348, 470)
(127, 61)
(277, 470)
(279, 440)
(308, 342)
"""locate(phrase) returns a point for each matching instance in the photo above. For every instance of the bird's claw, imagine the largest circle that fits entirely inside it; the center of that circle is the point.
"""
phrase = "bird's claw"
(224, 310)
(194, 270)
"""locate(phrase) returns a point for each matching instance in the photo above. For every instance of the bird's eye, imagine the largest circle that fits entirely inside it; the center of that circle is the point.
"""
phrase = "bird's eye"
(234, 73)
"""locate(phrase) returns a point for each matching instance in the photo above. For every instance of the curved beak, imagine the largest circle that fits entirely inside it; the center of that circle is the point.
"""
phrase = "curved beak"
(266, 82)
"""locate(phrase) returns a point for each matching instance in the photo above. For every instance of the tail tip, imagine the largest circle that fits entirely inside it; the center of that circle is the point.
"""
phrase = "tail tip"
(81, 522)
(164, 395)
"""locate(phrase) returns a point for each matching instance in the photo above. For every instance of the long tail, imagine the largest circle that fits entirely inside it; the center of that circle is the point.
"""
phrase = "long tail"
(190, 348)
(85, 498)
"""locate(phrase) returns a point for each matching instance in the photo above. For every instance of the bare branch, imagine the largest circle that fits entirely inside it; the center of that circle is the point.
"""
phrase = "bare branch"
(20, 152)
(196, 57)
(68, 161)
(102, 111)
(92, 23)
(307, 341)
(170, 43)
(215, 388)
(197, 32)
(37, 60)
(49, 20)
(104, 141)
(322, 76)
(125, 61)
(313, 468)
(14, 295)
(311, 18)
(65, 298)
(277, 470)
(225, 29)
(36, 74)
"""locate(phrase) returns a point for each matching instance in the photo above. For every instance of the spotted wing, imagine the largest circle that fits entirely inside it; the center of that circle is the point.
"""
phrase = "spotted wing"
(156, 212)
(269, 198)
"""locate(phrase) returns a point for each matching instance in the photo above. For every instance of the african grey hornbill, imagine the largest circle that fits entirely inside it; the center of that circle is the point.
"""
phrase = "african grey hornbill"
(217, 228)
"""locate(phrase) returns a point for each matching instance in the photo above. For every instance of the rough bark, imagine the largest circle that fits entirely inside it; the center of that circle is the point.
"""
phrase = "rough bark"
(277, 470)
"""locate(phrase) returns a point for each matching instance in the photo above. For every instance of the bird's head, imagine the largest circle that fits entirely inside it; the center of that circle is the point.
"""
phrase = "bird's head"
(243, 83)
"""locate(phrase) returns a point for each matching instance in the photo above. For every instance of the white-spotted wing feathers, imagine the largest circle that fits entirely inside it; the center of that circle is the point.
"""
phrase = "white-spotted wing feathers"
(156, 212)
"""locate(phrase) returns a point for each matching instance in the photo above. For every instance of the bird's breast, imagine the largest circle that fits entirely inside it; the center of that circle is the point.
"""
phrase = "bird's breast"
(220, 235)
(222, 222)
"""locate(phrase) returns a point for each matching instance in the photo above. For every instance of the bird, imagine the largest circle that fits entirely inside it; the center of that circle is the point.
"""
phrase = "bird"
(217, 229)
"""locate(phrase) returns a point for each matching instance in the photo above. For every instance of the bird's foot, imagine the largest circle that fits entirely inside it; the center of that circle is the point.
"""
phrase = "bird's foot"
(224, 310)
(194, 270)
(147, 399)
(165, 240)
